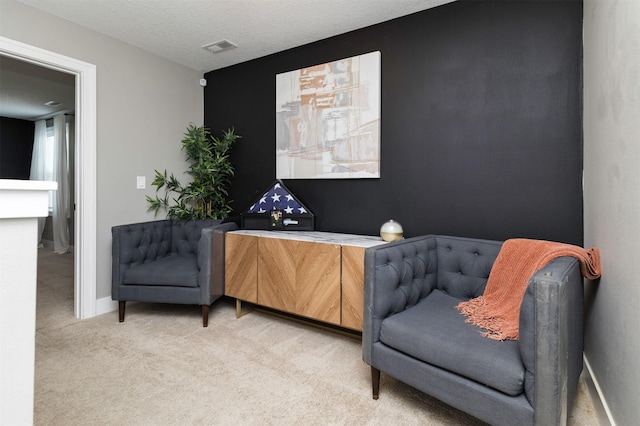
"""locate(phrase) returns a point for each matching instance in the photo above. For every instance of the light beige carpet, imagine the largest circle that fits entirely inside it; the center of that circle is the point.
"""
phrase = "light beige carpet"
(161, 367)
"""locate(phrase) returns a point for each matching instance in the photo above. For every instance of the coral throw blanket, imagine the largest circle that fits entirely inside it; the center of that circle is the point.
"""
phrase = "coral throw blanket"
(498, 309)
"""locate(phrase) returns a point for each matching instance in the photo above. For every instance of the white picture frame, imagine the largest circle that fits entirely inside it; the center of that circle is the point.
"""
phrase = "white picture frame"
(328, 120)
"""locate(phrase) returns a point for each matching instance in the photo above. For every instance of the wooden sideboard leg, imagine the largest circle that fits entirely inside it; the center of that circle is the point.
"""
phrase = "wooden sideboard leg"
(375, 382)
(239, 312)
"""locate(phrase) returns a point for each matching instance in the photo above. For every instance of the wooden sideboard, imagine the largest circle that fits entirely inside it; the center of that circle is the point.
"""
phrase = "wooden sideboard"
(318, 275)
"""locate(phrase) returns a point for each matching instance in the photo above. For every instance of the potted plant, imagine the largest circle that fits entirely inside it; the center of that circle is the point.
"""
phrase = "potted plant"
(205, 197)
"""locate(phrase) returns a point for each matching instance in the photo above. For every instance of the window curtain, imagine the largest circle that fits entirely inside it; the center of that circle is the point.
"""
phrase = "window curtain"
(38, 164)
(61, 203)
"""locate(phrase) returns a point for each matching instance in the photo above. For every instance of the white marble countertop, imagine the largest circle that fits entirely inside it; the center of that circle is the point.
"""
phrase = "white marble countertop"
(317, 236)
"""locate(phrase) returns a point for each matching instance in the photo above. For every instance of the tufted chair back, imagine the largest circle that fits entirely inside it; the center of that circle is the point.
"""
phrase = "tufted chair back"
(185, 236)
(409, 270)
(143, 243)
(150, 241)
(413, 267)
(464, 265)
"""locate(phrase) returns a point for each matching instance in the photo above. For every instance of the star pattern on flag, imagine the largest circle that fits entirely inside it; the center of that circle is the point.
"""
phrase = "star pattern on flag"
(277, 198)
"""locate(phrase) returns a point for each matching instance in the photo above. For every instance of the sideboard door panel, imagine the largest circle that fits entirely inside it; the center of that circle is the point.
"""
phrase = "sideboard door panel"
(241, 267)
(352, 286)
(318, 281)
(277, 273)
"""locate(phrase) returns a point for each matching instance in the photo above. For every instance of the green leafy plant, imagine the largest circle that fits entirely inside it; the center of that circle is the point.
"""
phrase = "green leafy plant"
(206, 197)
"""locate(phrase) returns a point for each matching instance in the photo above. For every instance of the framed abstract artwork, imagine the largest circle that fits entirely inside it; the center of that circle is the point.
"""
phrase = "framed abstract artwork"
(328, 120)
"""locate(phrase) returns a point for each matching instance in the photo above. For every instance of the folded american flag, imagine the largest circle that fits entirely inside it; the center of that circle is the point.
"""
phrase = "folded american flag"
(277, 198)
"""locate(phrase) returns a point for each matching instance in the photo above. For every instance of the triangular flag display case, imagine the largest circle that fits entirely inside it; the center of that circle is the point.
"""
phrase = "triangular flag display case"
(278, 209)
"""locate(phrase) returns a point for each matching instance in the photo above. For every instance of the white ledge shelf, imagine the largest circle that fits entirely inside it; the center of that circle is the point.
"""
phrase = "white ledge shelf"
(24, 198)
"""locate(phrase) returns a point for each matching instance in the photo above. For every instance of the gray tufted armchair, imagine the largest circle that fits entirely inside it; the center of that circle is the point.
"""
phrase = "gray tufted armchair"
(413, 332)
(169, 261)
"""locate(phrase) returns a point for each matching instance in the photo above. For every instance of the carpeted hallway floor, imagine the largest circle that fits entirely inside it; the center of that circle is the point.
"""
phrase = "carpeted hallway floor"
(161, 367)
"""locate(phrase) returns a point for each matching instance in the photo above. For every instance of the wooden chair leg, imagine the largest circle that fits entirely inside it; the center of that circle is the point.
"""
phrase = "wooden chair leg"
(205, 315)
(375, 382)
(121, 305)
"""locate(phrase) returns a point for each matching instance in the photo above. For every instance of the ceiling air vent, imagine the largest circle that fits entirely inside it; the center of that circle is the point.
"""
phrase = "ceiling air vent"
(220, 46)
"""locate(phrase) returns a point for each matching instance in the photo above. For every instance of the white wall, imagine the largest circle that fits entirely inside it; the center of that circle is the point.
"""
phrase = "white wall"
(612, 199)
(144, 104)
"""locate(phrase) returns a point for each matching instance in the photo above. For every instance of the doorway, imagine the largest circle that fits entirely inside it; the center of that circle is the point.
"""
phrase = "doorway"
(85, 213)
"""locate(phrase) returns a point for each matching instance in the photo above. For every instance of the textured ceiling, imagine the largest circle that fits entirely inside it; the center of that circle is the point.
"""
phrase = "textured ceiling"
(177, 29)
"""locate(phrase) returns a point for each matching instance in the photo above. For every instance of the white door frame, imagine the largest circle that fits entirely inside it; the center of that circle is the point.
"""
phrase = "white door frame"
(85, 165)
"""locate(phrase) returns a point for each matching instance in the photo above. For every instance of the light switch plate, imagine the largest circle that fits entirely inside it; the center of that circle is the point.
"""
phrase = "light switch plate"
(141, 182)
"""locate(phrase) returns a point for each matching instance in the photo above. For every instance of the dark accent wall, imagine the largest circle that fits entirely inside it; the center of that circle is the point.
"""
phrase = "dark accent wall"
(481, 123)
(16, 148)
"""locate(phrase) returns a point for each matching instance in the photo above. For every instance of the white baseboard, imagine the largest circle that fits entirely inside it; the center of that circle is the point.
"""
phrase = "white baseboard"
(106, 305)
(599, 395)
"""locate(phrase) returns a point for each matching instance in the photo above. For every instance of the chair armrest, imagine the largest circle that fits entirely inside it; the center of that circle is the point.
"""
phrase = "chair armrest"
(135, 243)
(211, 261)
(551, 338)
(396, 276)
